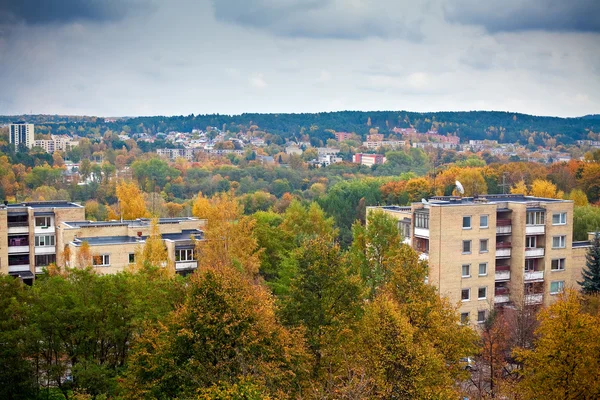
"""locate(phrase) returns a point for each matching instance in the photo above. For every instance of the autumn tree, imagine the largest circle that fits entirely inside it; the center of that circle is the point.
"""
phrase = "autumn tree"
(565, 362)
(591, 273)
(546, 189)
(84, 255)
(131, 200)
(154, 252)
(228, 233)
(473, 181)
(579, 198)
(519, 188)
(225, 334)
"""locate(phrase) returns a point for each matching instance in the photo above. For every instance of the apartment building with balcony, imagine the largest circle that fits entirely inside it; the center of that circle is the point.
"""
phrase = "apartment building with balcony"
(494, 250)
(114, 245)
(34, 235)
(28, 235)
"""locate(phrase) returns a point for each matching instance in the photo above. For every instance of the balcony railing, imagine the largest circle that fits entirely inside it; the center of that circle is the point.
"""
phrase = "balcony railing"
(501, 295)
(502, 275)
(18, 249)
(535, 229)
(533, 252)
(504, 229)
(534, 276)
(503, 249)
(422, 232)
(535, 298)
(181, 265)
(503, 245)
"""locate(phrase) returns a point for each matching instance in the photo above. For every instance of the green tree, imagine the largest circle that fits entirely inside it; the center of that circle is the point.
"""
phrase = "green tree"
(225, 333)
(591, 273)
(324, 298)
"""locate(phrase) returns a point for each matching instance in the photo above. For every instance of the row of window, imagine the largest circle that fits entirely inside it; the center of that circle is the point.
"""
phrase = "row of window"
(557, 264)
(532, 218)
(465, 294)
(558, 242)
(481, 317)
(103, 260)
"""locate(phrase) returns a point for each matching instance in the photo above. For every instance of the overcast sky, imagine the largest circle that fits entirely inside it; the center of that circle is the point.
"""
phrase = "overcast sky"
(172, 57)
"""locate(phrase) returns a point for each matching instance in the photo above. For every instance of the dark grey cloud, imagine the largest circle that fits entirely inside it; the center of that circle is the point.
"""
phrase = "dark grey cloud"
(35, 12)
(327, 19)
(526, 15)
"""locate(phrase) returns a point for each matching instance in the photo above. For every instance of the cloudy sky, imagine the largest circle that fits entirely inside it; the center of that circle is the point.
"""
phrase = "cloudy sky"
(149, 57)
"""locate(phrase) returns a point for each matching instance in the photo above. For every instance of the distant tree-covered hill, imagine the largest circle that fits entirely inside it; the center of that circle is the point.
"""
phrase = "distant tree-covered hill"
(494, 125)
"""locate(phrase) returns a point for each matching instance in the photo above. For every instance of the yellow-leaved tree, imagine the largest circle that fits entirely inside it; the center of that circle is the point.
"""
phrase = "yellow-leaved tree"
(131, 201)
(154, 253)
(545, 188)
(519, 188)
(565, 360)
(579, 198)
(228, 234)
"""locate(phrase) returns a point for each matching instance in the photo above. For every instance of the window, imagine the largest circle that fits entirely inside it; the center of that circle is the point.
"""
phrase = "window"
(465, 295)
(422, 220)
(557, 287)
(483, 246)
(530, 242)
(43, 260)
(535, 218)
(559, 242)
(464, 318)
(184, 255)
(43, 222)
(558, 264)
(102, 260)
(466, 248)
(481, 317)
(467, 222)
(466, 270)
(482, 293)
(559, 218)
(483, 221)
(482, 269)
(131, 258)
(45, 240)
(530, 264)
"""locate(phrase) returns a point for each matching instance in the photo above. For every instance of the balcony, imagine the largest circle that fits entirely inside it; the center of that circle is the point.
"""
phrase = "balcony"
(535, 229)
(18, 268)
(503, 249)
(44, 230)
(503, 227)
(18, 227)
(534, 252)
(501, 295)
(502, 273)
(183, 265)
(18, 249)
(45, 250)
(535, 298)
(534, 276)
(422, 232)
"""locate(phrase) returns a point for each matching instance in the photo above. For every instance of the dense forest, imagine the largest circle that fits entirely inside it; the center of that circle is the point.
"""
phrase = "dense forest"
(502, 126)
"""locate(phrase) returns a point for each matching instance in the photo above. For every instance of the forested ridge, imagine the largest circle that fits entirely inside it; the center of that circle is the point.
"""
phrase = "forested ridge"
(495, 125)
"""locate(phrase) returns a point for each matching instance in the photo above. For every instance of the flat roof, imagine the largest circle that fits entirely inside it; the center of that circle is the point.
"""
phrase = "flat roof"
(184, 235)
(44, 204)
(140, 222)
(491, 199)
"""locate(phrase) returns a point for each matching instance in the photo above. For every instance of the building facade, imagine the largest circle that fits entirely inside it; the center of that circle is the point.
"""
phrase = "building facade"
(21, 134)
(57, 143)
(494, 250)
(36, 234)
(368, 159)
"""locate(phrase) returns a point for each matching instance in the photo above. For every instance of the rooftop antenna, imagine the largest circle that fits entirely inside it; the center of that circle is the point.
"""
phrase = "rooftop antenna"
(504, 184)
(459, 188)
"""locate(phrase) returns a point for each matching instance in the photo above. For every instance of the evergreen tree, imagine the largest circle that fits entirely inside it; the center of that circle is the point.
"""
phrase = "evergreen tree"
(591, 272)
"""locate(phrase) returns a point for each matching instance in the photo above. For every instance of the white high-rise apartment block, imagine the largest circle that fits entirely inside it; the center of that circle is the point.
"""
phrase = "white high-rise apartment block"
(21, 134)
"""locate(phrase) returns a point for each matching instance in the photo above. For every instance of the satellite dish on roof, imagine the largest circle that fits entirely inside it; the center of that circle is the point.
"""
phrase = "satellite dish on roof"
(460, 188)
(424, 201)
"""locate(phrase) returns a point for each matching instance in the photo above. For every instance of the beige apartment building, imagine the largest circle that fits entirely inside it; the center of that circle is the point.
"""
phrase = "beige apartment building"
(36, 234)
(494, 250)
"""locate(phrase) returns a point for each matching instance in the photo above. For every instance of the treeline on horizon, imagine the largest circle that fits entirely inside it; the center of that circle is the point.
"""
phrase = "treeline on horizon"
(506, 127)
